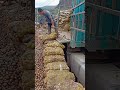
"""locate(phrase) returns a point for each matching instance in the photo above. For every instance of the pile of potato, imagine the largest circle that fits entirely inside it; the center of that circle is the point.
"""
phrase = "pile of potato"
(64, 20)
(56, 70)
